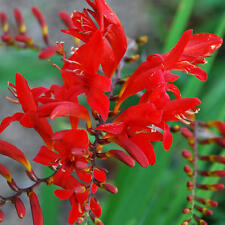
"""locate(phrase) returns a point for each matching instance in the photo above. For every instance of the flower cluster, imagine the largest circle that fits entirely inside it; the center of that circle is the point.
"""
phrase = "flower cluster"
(89, 71)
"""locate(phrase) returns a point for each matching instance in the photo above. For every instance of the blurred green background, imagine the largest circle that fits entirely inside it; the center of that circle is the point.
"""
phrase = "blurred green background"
(156, 195)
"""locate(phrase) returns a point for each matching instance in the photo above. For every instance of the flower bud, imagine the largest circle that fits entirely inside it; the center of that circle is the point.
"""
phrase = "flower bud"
(190, 185)
(216, 173)
(2, 216)
(206, 202)
(188, 170)
(66, 18)
(132, 58)
(142, 39)
(204, 211)
(4, 22)
(25, 39)
(186, 210)
(41, 20)
(199, 220)
(109, 187)
(210, 187)
(213, 158)
(20, 208)
(186, 154)
(35, 209)
(186, 222)
(20, 21)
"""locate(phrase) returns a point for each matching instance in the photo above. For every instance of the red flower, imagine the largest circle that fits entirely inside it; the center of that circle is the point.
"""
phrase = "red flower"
(154, 74)
(30, 117)
(113, 35)
(80, 75)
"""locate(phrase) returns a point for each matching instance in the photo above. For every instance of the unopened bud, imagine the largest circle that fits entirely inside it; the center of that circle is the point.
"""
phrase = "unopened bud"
(186, 222)
(211, 187)
(20, 208)
(204, 211)
(190, 185)
(132, 58)
(142, 39)
(200, 221)
(216, 173)
(175, 128)
(109, 187)
(4, 22)
(213, 158)
(41, 20)
(206, 202)
(186, 154)
(78, 151)
(20, 21)
(186, 210)
(66, 18)
(2, 216)
(189, 198)
(25, 39)
(81, 165)
(188, 170)
(32, 175)
(7, 39)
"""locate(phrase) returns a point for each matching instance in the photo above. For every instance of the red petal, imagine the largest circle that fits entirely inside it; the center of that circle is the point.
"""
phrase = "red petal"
(95, 207)
(63, 194)
(46, 157)
(48, 52)
(112, 128)
(144, 144)
(176, 52)
(70, 109)
(174, 89)
(6, 122)
(99, 175)
(122, 156)
(133, 150)
(175, 107)
(98, 102)
(203, 45)
(74, 213)
(167, 138)
(5, 172)
(24, 94)
(20, 208)
(13, 152)
(35, 209)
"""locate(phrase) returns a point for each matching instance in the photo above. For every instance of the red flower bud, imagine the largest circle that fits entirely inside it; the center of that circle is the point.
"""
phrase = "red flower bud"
(66, 18)
(48, 52)
(190, 185)
(25, 39)
(204, 211)
(186, 222)
(5, 173)
(186, 154)
(189, 198)
(211, 187)
(7, 39)
(20, 21)
(2, 216)
(4, 22)
(207, 202)
(188, 170)
(35, 209)
(216, 173)
(199, 220)
(213, 158)
(186, 210)
(109, 187)
(20, 208)
(41, 20)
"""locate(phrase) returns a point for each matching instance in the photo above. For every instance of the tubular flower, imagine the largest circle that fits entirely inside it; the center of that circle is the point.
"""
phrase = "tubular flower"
(29, 118)
(114, 39)
(154, 74)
